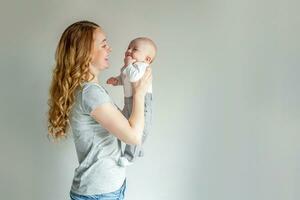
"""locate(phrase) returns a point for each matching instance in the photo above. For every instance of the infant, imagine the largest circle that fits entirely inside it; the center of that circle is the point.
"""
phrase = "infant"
(138, 56)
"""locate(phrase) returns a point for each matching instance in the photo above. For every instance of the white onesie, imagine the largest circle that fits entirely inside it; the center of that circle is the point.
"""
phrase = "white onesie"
(132, 73)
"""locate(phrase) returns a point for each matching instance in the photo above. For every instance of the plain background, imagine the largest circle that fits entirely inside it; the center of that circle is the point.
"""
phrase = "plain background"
(226, 94)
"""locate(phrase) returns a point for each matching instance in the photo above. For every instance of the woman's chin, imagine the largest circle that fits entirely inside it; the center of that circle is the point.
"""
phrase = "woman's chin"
(104, 67)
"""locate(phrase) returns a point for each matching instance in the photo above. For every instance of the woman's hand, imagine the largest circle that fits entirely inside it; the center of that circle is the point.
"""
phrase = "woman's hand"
(141, 86)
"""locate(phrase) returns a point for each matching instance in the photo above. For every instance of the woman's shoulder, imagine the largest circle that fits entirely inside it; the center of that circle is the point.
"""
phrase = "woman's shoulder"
(91, 86)
(94, 90)
(93, 95)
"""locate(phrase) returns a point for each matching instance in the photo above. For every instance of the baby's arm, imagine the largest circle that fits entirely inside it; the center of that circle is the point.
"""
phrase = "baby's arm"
(114, 81)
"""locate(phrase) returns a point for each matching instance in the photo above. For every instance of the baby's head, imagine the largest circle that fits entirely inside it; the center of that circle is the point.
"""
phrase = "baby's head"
(141, 49)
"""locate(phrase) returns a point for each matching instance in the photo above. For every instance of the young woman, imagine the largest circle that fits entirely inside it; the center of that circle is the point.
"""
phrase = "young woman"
(79, 102)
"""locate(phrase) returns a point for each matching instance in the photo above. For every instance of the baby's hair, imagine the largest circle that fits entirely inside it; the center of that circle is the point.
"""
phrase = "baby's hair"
(149, 42)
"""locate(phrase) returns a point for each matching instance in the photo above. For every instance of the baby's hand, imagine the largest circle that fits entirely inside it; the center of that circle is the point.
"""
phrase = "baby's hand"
(113, 81)
(129, 60)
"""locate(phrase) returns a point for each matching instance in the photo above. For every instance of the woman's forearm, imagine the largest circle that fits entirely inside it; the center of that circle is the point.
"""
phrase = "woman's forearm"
(136, 119)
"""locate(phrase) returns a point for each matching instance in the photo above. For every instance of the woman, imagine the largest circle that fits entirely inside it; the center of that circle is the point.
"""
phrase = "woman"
(77, 100)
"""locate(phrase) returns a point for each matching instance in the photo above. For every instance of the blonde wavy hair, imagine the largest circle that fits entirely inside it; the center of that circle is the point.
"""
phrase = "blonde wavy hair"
(72, 56)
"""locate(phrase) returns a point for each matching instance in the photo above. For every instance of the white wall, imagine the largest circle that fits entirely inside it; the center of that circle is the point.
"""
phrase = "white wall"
(226, 88)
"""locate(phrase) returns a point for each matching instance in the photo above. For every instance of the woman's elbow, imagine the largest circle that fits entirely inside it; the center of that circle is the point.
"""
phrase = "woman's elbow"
(137, 139)
(132, 137)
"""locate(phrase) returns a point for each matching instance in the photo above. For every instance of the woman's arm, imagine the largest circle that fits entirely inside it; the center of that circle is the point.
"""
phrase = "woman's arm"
(129, 131)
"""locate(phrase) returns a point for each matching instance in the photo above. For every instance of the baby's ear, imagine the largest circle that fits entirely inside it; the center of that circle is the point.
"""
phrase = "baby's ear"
(148, 59)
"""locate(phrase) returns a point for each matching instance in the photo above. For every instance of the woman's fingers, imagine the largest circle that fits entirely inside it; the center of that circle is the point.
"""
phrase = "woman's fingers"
(143, 84)
(148, 74)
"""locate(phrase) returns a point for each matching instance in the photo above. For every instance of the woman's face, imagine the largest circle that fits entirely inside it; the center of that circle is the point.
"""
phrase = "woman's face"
(100, 51)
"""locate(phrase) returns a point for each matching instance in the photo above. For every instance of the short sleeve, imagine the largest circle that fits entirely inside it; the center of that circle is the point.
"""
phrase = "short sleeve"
(136, 70)
(93, 96)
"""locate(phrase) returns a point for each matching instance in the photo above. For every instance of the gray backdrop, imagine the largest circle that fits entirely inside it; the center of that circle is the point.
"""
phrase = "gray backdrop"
(226, 89)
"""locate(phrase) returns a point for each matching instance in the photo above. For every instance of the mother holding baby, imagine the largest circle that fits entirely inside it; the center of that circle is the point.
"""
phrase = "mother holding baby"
(79, 102)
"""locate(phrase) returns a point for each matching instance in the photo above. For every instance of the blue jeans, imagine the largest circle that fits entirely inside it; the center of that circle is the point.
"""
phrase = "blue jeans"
(116, 195)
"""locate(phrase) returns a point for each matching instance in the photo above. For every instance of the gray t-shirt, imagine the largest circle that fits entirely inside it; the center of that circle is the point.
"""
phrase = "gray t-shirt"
(97, 150)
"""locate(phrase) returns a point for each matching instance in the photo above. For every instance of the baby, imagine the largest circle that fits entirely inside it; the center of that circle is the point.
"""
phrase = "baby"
(138, 56)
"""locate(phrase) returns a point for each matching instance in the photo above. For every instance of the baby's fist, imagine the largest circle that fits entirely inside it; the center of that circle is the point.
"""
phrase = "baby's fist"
(113, 81)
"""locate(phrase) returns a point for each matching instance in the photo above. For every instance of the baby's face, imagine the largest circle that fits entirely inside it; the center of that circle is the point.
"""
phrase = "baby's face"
(138, 50)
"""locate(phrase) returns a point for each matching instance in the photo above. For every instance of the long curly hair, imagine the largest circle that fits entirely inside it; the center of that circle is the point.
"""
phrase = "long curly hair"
(72, 56)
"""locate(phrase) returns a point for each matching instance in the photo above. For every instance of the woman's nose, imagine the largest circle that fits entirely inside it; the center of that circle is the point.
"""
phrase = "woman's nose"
(109, 49)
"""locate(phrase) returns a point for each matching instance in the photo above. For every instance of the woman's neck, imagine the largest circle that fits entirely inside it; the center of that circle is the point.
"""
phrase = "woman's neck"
(94, 80)
(95, 72)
